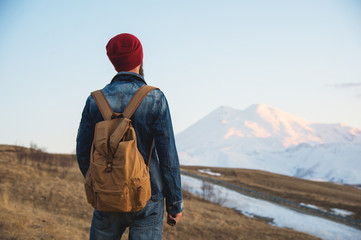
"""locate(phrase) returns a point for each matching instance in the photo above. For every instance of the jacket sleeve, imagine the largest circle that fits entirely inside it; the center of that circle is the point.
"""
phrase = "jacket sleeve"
(168, 158)
(84, 139)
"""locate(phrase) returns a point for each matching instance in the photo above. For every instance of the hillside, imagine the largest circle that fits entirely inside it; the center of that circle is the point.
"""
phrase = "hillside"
(41, 197)
(325, 195)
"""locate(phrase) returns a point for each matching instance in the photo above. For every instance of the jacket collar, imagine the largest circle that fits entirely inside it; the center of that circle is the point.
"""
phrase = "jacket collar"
(128, 76)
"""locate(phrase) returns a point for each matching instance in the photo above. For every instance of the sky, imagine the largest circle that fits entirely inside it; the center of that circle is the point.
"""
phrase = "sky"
(302, 57)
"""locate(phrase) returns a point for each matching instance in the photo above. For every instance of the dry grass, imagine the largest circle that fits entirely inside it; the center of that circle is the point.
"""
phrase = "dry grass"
(42, 197)
(325, 195)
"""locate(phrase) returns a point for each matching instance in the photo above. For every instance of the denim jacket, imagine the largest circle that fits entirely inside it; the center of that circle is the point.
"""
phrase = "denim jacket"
(151, 121)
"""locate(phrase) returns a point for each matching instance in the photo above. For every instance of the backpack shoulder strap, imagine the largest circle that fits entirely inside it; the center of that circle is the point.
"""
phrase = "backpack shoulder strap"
(133, 105)
(128, 112)
(103, 104)
(136, 100)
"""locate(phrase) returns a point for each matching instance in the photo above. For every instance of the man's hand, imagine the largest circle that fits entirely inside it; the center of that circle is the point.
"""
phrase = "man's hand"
(172, 219)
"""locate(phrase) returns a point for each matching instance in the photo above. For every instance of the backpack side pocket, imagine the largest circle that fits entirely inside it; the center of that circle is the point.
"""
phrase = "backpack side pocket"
(141, 192)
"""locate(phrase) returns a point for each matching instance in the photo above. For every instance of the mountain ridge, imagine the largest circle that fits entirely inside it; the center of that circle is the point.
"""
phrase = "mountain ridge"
(266, 138)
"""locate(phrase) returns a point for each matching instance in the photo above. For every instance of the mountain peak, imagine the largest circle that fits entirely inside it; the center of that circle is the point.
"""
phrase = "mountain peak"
(265, 137)
(226, 108)
(223, 109)
(259, 106)
(274, 115)
(261, 121)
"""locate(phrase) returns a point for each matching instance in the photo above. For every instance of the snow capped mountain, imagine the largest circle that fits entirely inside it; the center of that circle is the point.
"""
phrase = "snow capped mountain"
(263, 137)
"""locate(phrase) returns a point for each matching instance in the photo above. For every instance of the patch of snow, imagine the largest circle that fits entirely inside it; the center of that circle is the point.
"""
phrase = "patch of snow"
(281, 216)
(257, 130)
(342, 212)
(233, 132)
(309, 205)
(209, 172)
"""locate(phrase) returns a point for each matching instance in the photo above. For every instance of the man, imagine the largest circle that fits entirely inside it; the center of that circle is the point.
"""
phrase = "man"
(151, 121)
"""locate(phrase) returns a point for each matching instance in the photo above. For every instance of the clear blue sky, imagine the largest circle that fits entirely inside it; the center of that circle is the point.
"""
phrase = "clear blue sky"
(303, 57)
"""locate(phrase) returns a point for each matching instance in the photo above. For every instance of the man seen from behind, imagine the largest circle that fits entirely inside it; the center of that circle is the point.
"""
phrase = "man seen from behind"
(151, 121)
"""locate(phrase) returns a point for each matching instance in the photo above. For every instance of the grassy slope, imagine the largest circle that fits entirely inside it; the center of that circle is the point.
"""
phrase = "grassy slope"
(41, 197)
(325, 195)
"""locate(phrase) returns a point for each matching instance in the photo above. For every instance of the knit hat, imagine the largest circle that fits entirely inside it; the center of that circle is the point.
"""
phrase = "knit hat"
(125, 52)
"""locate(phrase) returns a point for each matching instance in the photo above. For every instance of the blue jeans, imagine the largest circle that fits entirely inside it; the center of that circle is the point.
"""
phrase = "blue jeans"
(146, 224)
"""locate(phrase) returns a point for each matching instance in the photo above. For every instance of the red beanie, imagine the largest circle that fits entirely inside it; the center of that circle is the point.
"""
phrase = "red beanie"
(125, 52)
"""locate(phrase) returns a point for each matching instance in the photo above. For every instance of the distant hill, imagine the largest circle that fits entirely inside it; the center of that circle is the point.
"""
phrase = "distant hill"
(265, 138)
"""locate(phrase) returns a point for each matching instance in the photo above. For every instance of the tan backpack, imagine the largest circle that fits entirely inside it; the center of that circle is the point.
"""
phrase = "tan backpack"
(118, 178)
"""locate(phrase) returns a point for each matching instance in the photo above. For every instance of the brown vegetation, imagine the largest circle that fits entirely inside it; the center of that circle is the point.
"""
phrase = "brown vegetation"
(41, 197)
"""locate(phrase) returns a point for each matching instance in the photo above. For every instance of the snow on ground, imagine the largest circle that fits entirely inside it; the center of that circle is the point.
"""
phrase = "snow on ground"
(209, 172)
(282, 217)
(342, 212)
(310, 205)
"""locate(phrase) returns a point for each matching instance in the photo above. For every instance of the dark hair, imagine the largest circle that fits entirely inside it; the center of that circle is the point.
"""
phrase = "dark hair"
(141, 71)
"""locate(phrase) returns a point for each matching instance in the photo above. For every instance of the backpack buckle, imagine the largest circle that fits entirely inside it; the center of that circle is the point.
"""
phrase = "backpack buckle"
(109, 165)
(117, 115)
